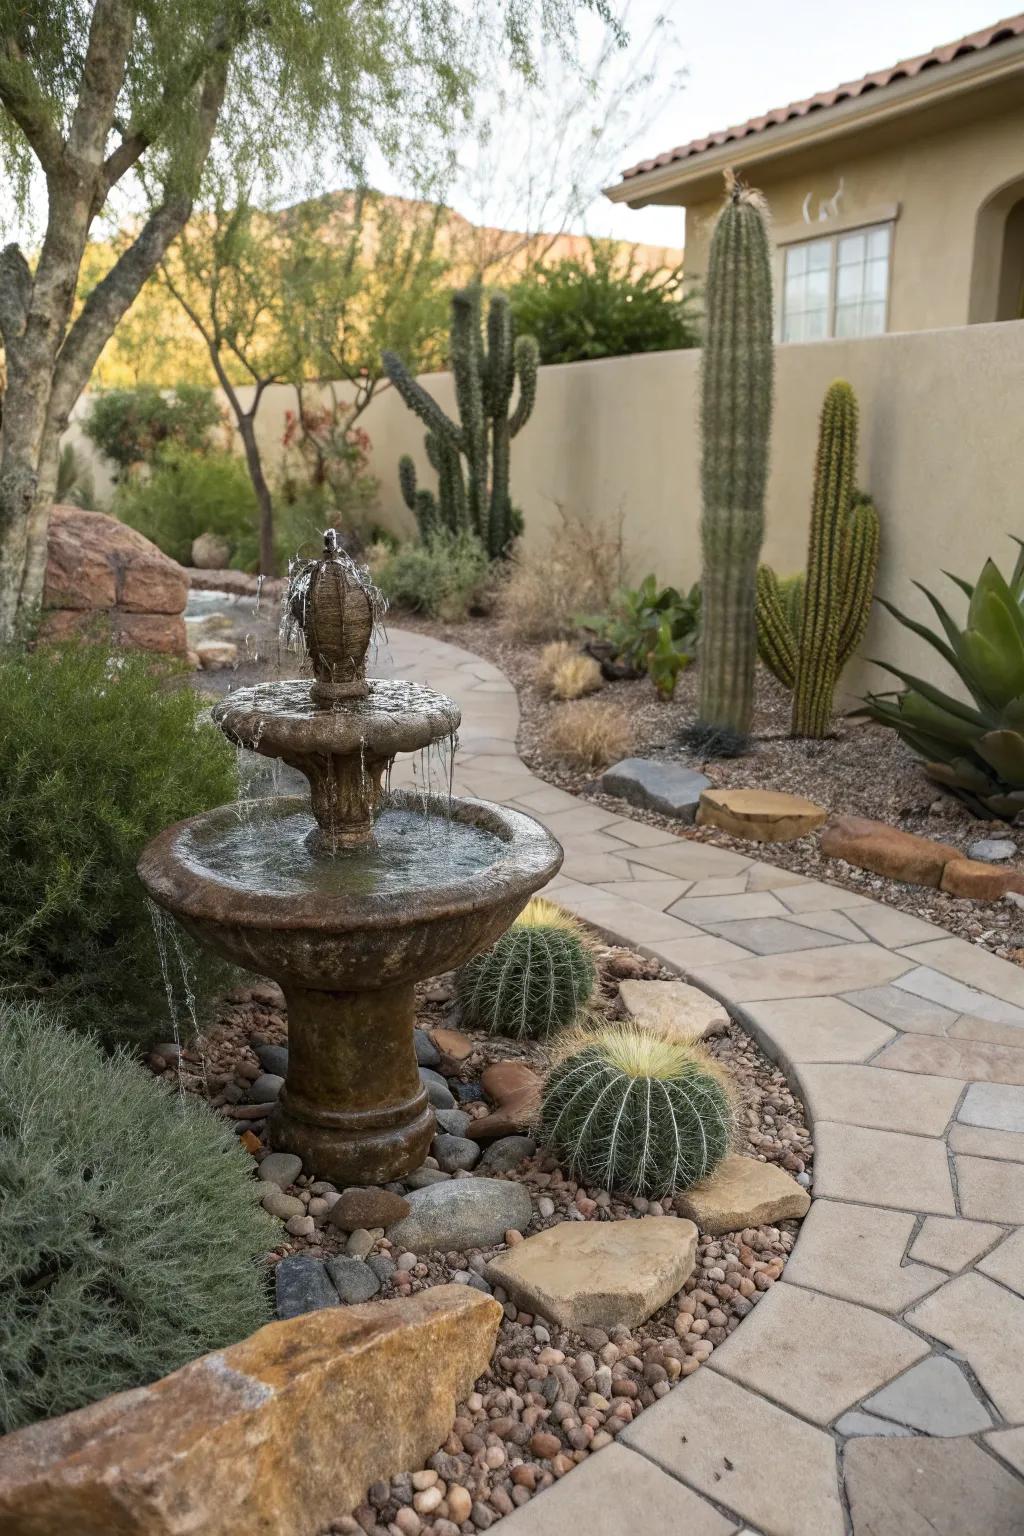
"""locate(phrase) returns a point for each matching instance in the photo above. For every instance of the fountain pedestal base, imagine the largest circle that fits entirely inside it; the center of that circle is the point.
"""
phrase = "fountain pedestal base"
(353, 1107)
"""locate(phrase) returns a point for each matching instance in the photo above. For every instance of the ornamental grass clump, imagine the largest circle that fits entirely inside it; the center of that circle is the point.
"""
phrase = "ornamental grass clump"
(130, 1235)
(99, 751)
(534, 980)
(629, 1110)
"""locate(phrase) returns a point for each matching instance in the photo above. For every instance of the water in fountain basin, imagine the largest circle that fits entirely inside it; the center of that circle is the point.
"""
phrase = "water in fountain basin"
(408, 852)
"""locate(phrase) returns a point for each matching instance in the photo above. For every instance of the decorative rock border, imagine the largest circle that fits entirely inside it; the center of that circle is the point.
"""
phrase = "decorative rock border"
(900, 1315)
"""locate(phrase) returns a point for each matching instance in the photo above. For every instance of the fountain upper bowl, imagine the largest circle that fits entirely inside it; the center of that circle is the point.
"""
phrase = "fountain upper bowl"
(440, 881)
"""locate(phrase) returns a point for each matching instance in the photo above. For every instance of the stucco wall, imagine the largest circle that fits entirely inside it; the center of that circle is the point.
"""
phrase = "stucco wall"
(942, 451)
(941, 180)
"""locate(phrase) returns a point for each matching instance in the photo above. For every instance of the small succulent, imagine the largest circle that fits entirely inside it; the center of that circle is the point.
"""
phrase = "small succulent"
(974, 748)
(534, 980)
(629, 1110)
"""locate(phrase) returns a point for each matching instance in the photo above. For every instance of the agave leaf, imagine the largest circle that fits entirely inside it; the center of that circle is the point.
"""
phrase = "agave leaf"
(993, 663)
(949, 624)
(924, 716)
(993, 601)
(1005, 751)
(965, 586)
(925, 633)
(1016, 582)
(1008, 806)
(936, 696)
(961, 774)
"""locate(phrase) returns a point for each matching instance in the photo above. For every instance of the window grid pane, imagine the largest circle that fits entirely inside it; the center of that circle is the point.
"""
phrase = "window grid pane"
(837, 286)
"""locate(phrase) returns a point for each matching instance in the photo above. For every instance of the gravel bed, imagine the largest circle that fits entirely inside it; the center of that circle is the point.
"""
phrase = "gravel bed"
(550, 1397)
(861, 770)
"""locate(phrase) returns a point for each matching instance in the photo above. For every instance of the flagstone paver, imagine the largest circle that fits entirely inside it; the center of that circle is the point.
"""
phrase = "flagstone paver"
(888, 1029)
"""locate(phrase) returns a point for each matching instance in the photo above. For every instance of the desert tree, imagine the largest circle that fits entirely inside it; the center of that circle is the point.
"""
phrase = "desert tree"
(105, 100)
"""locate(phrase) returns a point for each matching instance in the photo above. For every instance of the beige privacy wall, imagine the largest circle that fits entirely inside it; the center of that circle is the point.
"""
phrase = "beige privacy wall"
(942, 451)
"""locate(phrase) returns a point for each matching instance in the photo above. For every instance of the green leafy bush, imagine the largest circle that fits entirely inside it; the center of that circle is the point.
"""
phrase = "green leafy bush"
(98, 752)
(190, 493)
(534, 980)
(130, 1234)
(133, 426)
(603, 307)
(632, 1111)
(446, 577)
(973, 748)
(650, 629)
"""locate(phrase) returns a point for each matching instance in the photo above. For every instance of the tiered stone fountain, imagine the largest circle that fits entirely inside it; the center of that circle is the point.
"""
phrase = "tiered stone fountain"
(350, 897)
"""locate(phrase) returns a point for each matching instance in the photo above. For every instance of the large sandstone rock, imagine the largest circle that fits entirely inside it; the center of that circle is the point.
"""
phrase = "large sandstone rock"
(762, 815)
(980, 881)
(279, 1434)
(886, 850)
(589, 1274)
(461, 1213)
(515, 1089)
(743, 1193)
(673, 1008)
(103, 577)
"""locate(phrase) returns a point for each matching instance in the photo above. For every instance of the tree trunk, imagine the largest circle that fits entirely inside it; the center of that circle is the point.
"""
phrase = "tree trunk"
(247, 432)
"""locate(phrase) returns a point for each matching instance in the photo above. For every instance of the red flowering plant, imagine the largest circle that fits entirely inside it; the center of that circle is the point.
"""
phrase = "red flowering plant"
(326, 459)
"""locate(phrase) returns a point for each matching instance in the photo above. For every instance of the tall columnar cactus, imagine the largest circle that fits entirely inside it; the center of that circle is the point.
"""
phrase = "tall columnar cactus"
(809, 628)
(736, 409)
(471, 456)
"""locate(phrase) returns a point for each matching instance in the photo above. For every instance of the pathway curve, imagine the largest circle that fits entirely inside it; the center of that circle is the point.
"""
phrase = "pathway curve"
(902, 1305)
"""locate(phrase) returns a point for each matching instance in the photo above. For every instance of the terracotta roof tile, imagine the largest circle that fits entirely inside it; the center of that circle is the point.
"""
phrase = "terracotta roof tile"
(906, 69)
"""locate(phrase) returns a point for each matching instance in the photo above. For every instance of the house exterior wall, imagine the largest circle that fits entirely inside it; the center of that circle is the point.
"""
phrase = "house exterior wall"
(936, 182)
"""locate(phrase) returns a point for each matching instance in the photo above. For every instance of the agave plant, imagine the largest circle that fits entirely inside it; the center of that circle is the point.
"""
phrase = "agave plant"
(975, 749)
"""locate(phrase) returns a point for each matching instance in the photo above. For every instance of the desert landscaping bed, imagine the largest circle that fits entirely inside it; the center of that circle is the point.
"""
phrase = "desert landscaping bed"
(860, 770)
(553, 1394)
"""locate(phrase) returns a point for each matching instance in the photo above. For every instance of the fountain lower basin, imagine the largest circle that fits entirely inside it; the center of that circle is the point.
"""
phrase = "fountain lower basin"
(347, 937)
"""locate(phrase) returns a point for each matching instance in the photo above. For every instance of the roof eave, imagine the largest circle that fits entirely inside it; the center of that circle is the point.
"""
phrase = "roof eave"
(973, 72)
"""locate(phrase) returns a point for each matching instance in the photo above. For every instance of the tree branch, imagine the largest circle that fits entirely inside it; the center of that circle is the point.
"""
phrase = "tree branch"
(25, 102)
(15, 292)
(110, 38)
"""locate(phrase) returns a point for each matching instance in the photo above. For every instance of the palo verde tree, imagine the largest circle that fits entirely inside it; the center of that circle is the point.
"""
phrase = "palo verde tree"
(103, 101)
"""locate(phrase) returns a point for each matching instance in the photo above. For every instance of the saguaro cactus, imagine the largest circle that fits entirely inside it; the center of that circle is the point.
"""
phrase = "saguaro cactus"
(471, 456)
(736, 408)
(808, 629)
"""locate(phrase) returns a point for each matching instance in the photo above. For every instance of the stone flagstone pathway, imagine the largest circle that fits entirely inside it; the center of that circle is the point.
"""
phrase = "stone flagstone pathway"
(879, 1388)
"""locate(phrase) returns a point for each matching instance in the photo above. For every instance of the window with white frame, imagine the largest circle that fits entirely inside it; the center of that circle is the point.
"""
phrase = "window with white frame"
(837, 286)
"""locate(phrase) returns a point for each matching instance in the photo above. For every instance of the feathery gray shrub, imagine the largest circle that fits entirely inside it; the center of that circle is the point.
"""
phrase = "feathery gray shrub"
(130, 1233)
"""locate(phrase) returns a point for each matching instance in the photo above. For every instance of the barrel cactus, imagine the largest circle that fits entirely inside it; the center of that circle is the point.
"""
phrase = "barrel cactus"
(808, 627)
(974, 748)
(471, 456)
(630, 1110)
(737, 370)
(534, 980)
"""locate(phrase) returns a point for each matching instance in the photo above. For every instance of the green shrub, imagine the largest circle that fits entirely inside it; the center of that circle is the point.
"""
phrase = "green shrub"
(191, 493)
(97, 753)
(129, 1230)
(534, 980)
(651, 629)
(603, 307)
(972, 743)
(133, 426)
(630, 1110)
(445, 578)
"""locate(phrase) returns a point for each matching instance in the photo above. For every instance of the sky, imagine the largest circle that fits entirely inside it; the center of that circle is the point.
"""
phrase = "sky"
(744, 57)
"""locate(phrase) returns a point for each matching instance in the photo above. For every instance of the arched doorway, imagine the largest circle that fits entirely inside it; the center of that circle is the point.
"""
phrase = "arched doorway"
(997, 275)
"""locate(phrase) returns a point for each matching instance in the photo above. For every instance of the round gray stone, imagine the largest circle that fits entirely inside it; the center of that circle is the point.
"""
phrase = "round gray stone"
(383, 1267)
(302, 1285)
(992, 850)
(461, 1214)
(454, 1122)
(280, 1168)
(656, 784)
(504, 1155)
(353, 1280)
(421, 1177)
(438, 1092)
(273, 1059)
(427, 1053)
(266, 1089)
(455, 1152)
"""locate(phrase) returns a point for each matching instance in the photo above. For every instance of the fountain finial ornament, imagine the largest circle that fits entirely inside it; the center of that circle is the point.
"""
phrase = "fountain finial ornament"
(336, 607)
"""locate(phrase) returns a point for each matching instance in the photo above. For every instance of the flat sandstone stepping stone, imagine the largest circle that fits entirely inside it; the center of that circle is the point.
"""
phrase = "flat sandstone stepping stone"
(673, 1008)
(743, 1193)
(762, 815)
(598, 1274)
(886, 850)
